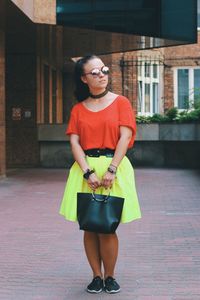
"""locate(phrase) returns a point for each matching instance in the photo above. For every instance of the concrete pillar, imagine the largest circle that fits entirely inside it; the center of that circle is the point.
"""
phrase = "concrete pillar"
(2, 91)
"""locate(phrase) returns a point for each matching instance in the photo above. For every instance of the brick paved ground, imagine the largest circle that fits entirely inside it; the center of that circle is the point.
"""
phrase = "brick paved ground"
(41, 255)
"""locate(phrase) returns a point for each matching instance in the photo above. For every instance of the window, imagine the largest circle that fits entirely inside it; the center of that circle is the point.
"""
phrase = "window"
(54, 96)
(186, 87)
(46, 93)
(148, 88)
(49, 75)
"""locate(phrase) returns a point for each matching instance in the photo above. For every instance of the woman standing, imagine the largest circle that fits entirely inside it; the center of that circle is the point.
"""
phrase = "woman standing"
(101, 127)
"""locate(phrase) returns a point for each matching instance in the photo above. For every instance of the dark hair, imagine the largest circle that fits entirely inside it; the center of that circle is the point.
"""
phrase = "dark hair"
(81, 88)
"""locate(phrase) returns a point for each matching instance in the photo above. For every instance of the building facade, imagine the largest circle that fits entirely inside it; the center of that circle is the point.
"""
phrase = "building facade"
(36, 82)
(159, 79)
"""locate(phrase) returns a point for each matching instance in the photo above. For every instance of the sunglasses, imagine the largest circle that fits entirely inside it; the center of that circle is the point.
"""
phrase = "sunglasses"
(96, 72)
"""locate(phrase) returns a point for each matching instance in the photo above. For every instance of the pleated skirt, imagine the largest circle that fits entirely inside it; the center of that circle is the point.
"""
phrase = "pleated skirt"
(123, 186)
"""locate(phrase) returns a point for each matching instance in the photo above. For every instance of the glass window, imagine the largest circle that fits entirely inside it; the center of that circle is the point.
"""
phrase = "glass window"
(139, 107)
(196, 84)
(148, 88)
(183, 88)
(147, 97)
(131, 20)
(155, 71)
(188, 87)
(54, 91)
(46, 94)
(147, 70)
(155, 97)
(140, 69)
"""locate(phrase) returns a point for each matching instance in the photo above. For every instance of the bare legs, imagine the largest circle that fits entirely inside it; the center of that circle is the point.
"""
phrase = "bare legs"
(91, 243)
(101, 248)
(109, 252)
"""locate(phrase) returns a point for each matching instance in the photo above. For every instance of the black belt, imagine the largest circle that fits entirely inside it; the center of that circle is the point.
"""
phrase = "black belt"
(95, 152)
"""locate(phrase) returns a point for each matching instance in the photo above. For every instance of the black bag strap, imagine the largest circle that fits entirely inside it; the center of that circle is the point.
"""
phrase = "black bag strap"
(103, 198)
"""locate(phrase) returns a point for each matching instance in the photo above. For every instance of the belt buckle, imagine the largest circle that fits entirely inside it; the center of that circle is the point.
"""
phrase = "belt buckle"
(95, 153)
(98, 153)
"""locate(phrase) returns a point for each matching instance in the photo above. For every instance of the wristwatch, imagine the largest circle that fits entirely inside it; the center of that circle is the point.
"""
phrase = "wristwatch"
(87, 174)
(110, 170)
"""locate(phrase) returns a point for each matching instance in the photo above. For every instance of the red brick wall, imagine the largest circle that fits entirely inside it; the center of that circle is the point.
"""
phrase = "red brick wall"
(168, 88)
(179, 56)
(115, 76)
(124, 80)
(124, 76)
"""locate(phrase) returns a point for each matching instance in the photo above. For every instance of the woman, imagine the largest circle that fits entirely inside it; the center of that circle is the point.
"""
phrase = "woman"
(101, 127)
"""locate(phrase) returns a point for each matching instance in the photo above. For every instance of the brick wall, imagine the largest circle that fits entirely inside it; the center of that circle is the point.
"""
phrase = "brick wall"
(168, 88)
(124, 79)
(124, 76)
(179, 56)
(116, 74)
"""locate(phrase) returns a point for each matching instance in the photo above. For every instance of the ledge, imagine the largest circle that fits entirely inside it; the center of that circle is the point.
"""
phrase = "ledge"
(50, 133)
(145, 132)
(179, 132)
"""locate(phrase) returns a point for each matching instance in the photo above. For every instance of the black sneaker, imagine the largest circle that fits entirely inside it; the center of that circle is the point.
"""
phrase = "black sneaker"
(96, 286)
(111, 285)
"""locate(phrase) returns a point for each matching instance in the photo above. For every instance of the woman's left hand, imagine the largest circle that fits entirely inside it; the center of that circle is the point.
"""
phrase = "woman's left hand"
(107, 180)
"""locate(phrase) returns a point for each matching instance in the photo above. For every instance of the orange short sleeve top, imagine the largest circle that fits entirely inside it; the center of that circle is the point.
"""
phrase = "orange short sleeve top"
(102, 129)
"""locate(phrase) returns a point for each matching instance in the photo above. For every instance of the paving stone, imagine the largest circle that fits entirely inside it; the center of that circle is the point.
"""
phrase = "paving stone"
(42, 255)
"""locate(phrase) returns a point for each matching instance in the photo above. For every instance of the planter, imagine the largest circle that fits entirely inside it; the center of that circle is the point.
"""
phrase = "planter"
(157, 145)
(147, 132)
(168, 132)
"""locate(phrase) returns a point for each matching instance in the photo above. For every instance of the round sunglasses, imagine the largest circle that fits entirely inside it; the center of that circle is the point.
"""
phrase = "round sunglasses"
(96, 72)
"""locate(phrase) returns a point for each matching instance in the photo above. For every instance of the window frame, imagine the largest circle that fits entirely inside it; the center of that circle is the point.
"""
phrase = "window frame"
(148, 80)
(191, 85)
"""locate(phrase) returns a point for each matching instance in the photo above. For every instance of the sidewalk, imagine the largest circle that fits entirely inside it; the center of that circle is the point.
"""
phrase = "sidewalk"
(42, 258)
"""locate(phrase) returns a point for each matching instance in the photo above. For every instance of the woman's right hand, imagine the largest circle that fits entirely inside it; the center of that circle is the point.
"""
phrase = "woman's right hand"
(94, 182)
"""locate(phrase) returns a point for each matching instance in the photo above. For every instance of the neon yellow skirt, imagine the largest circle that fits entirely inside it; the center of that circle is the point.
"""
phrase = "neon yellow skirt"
(123, 186)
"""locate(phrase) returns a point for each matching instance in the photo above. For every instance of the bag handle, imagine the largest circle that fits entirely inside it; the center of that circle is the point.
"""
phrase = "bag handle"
(104, 198)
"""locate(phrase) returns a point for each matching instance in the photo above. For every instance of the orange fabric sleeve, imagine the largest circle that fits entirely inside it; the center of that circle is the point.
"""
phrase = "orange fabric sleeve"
(127, 118)
(73, 123)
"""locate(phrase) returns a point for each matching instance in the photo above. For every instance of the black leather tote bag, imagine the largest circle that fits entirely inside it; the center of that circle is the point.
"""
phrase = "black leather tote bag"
(99, 213)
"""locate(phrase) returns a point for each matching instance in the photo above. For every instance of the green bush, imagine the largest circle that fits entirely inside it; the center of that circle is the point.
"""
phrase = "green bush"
(172, 115)
(192, 116)
(197, 104)
(142, 119)
(157, 118)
